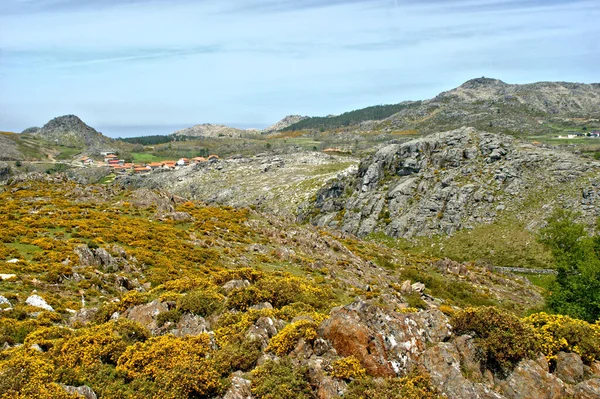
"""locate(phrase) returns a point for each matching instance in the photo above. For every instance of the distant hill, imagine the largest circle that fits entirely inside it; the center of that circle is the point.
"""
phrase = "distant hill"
(210, 130)
(483, 103)
(285, 122)
(70, 131)
(377, 112)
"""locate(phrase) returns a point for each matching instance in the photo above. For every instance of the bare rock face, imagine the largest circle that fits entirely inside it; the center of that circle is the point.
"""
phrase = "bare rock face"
(190, 325)
(589, 389)
(569, 367)
(82, 391)
(177, 217)
(240, 388)
(443, 362)
(444, 182)
(386, 343)
(530, 381)
(146, 314)
(145, 198)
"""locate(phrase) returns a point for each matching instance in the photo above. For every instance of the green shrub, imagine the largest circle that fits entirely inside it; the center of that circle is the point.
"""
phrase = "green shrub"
(503, 339)
(413, 386)
(276, 380)
(240, 354)
(200, 302)
(172, 316)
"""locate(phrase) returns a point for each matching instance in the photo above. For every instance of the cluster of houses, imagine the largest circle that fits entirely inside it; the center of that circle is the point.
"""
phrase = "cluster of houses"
(572, 135)
(119, 166)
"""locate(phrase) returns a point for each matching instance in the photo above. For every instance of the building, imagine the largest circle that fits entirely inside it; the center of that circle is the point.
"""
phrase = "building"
(198, 160)
(86, 161)
(155, 165)
(183, 162)
(110, 157)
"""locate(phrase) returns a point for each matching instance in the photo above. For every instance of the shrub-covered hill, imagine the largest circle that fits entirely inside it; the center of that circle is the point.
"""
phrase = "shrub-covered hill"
(112, 293)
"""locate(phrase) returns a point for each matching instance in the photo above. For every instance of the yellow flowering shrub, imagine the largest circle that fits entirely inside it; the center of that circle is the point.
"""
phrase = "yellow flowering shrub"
(25, 374)
(348, 368)
(180, 366)
(101, 344)
(557, 333)
(286, 339)
(414, 386)
(502, 337)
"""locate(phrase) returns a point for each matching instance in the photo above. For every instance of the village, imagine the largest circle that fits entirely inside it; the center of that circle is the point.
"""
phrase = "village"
(120, 167)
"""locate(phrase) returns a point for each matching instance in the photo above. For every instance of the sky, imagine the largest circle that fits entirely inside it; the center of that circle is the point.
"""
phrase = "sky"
(132, 67)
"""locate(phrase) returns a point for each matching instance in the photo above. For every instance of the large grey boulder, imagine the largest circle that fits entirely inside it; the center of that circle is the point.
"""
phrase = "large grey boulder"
(569, 367)
(82, 391)
(530, 380)
(386, 343)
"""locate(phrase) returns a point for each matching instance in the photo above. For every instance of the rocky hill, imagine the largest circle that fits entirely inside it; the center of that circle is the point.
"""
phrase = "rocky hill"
(70, 131)
(210, 130)
(487, 104)
(284, 123)
(137, 294)
(276, 183)
(456, 180)
(492, 105)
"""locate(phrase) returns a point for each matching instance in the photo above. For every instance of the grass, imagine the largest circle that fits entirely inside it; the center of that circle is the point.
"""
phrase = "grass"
(544, 281)
(145, 157)
(26, 250)
(67, 153)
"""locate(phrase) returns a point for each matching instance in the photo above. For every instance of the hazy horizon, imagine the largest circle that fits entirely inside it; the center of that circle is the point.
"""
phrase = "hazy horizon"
(249, 63)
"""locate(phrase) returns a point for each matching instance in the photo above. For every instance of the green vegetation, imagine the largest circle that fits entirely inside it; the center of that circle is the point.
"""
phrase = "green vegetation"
(576, 292)
(377, 112)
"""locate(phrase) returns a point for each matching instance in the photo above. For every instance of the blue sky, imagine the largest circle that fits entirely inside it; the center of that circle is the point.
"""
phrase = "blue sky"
(149, 66)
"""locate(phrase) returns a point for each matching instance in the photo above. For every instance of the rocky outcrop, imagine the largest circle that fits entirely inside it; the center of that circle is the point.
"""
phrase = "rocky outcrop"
(285, 122)
(83, 391)
(214, 131)
(386, 344)
(70, 131)
(530, 380)
(38, 302)
(9, 151)
(569, 367)
(449, 181)
(275, 183)
(88, 175)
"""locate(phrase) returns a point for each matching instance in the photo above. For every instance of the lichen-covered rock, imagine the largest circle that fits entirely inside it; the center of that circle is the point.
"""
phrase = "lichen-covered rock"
(443, 363)
(190, 324)
(38, 302)
(82, 391)
(146, 314)
(240, 388)
(386, 343)
(589, 389)
(444, 182)
(569, 367)
(530, 381)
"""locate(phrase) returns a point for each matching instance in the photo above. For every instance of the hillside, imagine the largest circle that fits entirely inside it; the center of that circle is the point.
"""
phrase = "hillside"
(487, 104)
(213, 131)
(455, 181)
(284, 123)
(70, 131)
(137, 294)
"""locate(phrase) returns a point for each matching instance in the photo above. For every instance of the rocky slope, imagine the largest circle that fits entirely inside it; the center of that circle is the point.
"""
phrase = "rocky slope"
(210, 130)
(9, 150)
(275, 183)
(455, 180)
(70, 131)
(493, 105)
(486, 104)
(285, 122)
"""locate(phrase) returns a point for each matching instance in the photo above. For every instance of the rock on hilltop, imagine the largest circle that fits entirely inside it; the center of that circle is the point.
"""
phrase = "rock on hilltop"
(492, 105)
(444, 182)
(210, 130)
(70, 131)
(285, 122)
